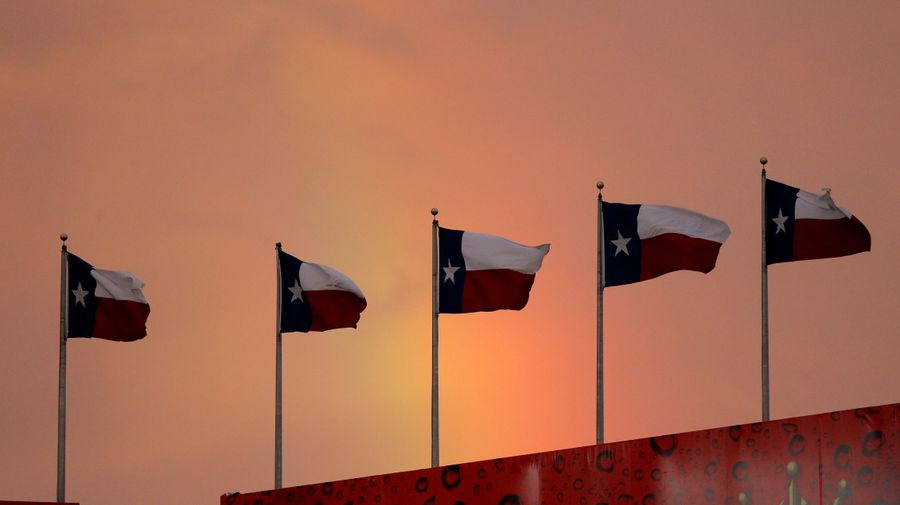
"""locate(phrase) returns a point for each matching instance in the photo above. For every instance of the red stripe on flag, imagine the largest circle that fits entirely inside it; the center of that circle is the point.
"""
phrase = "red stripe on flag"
(673, 251)
(489, 290)
(829, 238)
(333, 309)
(120, 320)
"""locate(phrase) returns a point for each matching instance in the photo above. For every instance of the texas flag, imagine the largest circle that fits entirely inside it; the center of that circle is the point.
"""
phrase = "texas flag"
(804, 226)
(645, 241)
(105, 304)
(316, 297)
(483, 273)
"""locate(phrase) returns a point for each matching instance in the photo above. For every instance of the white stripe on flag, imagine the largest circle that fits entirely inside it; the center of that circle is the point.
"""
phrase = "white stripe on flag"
(656, 220)
(490, 252)
(118, 285)
(315, 277)
(813, 206)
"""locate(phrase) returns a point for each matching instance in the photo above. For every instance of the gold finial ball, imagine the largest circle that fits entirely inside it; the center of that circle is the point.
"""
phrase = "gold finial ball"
(743, 499)
(599, 184)
(434, 211)
(793, 469)
(764, 160)
(63, 237)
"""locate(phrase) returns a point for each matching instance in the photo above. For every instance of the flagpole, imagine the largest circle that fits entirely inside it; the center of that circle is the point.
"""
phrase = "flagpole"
(278, 423)
(61, 419)
(435, 310)
(765, 300)
(600, 425)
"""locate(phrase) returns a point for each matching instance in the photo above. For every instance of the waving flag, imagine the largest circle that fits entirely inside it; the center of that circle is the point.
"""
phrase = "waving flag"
(317, 297)
(483, 273)
(105, 304)
(803, 226)
(645, 241)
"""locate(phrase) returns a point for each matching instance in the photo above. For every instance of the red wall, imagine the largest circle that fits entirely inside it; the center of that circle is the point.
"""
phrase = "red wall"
(853, 455)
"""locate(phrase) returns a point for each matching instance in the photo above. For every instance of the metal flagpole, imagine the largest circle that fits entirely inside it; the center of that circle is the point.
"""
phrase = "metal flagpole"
(278, 456)
(435, 309)
(600, 281)
(765, 300)
(63, 330)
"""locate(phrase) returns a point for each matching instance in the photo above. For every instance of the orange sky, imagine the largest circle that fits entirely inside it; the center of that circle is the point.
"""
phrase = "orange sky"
(181, 140)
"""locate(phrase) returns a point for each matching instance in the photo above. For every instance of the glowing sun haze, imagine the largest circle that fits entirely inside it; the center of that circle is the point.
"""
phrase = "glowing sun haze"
(180, 141)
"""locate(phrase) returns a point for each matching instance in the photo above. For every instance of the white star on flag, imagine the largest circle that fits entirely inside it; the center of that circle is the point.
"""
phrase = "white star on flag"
(621, 244)
(450, 272)
(779, 222)
(296, 292)
(79, 295)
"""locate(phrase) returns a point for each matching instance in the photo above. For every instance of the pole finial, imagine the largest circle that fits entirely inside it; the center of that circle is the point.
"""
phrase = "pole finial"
(278, 245)
(600, 185)
(793, 469)
(63, 237)
(434, 211)
(763, 161)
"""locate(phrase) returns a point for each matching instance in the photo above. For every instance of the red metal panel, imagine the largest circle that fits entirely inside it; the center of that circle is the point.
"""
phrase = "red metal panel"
(842, 458)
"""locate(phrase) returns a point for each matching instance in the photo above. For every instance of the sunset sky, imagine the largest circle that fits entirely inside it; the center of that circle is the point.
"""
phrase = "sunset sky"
(181, 140)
